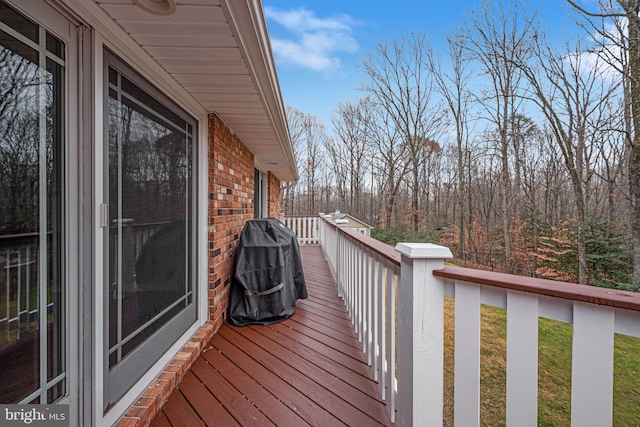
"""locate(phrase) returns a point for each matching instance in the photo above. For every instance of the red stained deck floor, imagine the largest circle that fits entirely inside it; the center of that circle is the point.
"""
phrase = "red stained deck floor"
(307, 370)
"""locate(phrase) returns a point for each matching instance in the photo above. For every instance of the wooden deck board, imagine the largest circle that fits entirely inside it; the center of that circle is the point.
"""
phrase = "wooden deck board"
(205, 404)
(320, 327)
(311, 411)
(161, 421)
(280, 414)
(359, 380)
(179, 412)
(307, 370)
(286, 360)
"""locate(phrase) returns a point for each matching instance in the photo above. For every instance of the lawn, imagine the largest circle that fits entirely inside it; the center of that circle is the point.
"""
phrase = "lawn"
(554, 372)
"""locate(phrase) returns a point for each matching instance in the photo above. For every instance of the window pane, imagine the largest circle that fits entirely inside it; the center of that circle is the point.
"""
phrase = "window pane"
(55, 46)
(18, 22)
(150, 216)
(136, 92)
(31, 218)
(54, 168)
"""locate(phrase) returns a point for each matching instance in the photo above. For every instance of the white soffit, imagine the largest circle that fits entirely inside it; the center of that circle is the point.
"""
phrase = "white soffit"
(219, 51)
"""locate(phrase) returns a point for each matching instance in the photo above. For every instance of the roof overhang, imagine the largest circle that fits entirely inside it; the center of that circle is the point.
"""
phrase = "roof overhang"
(219, 52)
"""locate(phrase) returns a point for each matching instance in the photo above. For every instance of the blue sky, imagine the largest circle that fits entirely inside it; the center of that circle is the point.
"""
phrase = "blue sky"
(318, 45)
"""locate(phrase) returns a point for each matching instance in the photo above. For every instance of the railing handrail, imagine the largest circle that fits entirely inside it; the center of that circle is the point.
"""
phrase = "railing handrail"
(381, 248)
(572, 291)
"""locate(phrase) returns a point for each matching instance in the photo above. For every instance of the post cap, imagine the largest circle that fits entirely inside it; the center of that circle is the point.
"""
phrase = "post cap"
(423, 250)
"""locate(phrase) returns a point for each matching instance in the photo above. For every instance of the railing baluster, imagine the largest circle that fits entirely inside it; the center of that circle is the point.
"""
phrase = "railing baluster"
(391, 344)
(360, 290)
(19, 300)
(592, 365)
(382, 341)
(522, 359)
(28, 281)
(467, 355)
(370, 283)
(8, 295)
(352, 282)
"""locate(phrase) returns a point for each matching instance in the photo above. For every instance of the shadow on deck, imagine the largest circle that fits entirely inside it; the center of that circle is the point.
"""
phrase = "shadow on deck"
(307, 370)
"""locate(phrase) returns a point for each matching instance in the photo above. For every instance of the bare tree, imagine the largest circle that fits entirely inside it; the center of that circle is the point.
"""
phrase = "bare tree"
(611, 170)
(573, 96)
(295, 122)
(19, 143)
(392, 162)
(496, 33)
(617, 27)
(308, 136)
(314, 161)
(398, 83)
(452, 85)
(351, 151)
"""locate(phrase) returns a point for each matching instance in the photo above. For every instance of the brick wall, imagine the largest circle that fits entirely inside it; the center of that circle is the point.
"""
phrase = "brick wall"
(273, 196)
(230, 206)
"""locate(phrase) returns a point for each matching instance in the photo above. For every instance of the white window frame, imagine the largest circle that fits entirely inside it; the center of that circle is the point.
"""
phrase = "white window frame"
(263, 197)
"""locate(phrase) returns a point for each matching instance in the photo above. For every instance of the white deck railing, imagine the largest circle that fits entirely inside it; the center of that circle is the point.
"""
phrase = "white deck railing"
(306, 228)
(367, 272)
(18, 286)
(370, 274)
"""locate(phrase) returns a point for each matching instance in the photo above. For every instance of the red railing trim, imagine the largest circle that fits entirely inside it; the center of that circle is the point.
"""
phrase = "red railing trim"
(584, 293)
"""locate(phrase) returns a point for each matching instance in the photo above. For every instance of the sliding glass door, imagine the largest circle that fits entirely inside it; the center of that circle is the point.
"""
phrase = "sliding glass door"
(149, 292)
(32, 153)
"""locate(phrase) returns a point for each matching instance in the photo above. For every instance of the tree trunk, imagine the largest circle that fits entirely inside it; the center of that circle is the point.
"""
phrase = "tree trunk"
(634, 149)
(461, 195)
(414, 199)
(506, 196)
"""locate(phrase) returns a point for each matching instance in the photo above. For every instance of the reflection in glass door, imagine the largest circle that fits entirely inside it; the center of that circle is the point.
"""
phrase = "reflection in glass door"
(149, 287)
(32, 313)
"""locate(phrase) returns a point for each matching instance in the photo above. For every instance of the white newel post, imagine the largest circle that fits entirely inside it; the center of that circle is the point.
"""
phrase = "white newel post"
(324, 227)
(340, 255)
(420, 334)
(321, 239)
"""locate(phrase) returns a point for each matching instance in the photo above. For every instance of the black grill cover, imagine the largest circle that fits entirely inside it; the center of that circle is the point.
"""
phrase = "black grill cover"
(268, 277)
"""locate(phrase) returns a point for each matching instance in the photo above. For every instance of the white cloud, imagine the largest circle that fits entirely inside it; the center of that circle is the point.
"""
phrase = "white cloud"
(314, 43)
(605, 58)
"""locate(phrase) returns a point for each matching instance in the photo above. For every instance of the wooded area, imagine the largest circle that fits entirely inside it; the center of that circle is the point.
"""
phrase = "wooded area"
(510, 146)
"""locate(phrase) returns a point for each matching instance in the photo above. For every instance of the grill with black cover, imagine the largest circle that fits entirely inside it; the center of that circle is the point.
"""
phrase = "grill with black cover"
(268, 276)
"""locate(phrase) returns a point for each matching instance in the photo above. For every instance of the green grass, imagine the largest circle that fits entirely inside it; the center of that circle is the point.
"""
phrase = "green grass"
(554, 372)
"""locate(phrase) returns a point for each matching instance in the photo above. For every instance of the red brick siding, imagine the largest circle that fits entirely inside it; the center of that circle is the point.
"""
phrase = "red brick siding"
(230, 206)
(273, 196)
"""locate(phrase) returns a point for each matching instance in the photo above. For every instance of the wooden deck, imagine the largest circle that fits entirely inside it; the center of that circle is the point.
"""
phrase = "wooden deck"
(307, 370)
